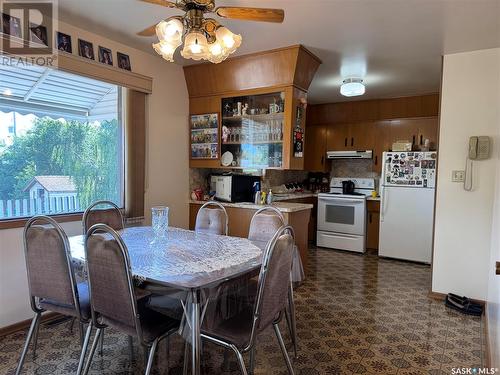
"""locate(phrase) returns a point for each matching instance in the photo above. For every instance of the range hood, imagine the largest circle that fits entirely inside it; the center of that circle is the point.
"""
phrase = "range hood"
(366, 154)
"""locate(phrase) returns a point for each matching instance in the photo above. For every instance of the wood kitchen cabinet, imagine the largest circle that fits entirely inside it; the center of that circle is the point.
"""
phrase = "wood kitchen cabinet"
(348, 137)
(315, 149)
(373, 224)
(361, 136)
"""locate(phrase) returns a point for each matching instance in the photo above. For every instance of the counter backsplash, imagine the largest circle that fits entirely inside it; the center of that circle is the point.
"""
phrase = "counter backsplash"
(198, 177)
(353, 168)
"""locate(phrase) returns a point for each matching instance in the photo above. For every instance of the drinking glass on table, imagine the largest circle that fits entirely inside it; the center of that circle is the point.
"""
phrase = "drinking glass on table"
(159, 217)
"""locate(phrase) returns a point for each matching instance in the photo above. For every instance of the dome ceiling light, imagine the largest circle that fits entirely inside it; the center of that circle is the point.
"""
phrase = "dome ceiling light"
(352, 87)
(203, 38)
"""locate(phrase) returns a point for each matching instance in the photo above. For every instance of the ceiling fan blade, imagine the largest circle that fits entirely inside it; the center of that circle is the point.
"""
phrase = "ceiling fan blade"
(150, 31)
(164, 3)
(252, 14)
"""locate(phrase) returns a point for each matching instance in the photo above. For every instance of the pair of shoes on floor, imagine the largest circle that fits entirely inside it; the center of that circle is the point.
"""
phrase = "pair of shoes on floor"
(463, 304)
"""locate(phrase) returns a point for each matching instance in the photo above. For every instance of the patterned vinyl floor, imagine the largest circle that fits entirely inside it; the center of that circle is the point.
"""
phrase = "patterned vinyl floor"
(356, 315)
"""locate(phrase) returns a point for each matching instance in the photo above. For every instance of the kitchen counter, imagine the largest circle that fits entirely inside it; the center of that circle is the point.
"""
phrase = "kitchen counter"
(373, 199)
(284, 207)
(298, 215)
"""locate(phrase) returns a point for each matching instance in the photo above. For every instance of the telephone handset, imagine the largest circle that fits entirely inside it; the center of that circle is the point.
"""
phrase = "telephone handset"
(479, 149)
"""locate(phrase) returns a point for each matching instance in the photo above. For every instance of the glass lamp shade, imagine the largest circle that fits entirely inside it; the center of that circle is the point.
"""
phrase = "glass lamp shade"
(166, 49)
(352, 87)
(170, 30)
(217, 52)
(195, 46)
(228, 39)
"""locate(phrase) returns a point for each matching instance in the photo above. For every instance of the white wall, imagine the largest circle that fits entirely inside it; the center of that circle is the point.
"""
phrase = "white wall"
(463, 229)
(166, 166)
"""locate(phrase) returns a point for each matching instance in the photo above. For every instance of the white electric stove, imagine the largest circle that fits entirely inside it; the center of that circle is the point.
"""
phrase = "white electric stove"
(342, 217)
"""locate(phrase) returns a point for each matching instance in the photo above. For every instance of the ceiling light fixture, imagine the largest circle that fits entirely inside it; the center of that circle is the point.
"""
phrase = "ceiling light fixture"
(203, 38)
(352, 87)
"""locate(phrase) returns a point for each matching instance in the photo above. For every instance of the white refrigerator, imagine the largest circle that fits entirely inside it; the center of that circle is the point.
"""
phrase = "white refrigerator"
(407, 190)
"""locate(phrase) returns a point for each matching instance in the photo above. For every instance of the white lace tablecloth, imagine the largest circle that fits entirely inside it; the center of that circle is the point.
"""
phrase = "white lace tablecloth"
(183, 258)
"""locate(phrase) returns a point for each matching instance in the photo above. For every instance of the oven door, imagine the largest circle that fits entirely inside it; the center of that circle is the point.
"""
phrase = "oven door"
(341, 215)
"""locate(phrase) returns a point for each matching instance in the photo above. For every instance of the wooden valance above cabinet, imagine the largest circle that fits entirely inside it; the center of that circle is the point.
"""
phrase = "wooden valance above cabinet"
(289, 66)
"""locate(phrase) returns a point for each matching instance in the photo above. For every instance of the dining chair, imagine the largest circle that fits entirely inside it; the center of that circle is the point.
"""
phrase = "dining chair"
(111, 216)
(51, 280)
(113, 298)
(263, 226)
(239, 332)
(212, 220)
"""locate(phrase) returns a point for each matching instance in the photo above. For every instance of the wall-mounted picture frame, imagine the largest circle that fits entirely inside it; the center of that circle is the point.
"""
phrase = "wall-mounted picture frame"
(205, 136)
(123, 61)
(86, 49)
(38, 34)
(63, 42)
(11, 26)
(105, 56)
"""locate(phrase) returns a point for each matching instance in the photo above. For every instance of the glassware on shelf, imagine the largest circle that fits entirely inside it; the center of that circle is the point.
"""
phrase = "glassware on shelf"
(159, 219)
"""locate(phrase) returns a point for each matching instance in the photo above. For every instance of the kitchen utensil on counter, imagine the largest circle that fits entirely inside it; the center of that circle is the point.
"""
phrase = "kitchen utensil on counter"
(348, 187)
(197, 194)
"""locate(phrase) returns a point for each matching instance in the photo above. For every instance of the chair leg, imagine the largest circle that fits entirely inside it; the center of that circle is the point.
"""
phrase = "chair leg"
(33, 326)
(35, 338)
(84, 349)
(293, 322)
(241, 362)
(283, 349)
(151, 356)
(92, 350)
(252, 360)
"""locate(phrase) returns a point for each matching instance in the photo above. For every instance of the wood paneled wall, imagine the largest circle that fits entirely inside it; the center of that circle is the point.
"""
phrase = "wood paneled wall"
(373, 110)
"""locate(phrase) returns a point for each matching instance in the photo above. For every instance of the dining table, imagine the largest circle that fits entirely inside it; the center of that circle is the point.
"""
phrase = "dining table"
(193, 263)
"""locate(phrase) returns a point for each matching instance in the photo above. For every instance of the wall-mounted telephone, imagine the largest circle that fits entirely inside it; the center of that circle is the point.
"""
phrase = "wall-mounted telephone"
(479, 149)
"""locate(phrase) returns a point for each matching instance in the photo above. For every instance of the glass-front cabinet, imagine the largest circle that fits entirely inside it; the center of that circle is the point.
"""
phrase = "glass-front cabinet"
(252, 131)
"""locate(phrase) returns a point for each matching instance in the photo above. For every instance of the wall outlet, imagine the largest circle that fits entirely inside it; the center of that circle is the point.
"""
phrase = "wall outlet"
(458, 176)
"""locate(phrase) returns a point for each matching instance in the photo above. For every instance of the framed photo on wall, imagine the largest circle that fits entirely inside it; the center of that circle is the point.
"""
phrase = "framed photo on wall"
(205, 136)
(86, 49)
(64, 42)
(123, 61)
(105, 56)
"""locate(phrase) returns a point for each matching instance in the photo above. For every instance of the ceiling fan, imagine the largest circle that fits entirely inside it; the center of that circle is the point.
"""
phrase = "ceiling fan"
(204, 38)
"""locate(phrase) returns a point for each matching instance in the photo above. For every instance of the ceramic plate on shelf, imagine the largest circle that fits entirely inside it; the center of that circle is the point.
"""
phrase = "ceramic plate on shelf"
(226, 159)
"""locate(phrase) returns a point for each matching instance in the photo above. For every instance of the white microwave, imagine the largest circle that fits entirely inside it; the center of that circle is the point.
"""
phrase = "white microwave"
(233, 188)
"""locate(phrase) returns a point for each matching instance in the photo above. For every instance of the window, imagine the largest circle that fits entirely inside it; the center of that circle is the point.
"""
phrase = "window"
(61, 142)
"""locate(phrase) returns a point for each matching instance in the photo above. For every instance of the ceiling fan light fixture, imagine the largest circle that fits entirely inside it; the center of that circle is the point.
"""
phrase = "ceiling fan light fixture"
(229, 40)
(217, 52)
(170, 30)
(166, 49)
(195, 46)
(352, 87)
